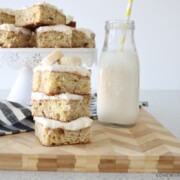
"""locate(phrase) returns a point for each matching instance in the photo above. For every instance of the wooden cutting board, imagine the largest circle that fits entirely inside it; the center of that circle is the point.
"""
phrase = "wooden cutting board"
(145, 147)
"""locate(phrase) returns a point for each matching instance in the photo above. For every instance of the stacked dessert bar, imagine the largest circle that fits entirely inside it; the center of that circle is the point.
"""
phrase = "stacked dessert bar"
(60, 101)
(42, 25)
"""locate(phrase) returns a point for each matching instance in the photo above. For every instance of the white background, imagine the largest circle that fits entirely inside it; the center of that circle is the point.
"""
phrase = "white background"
(157, 35)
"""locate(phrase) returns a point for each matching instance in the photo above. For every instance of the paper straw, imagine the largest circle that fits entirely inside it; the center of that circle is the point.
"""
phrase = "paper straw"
(127, 17)
(128, 10)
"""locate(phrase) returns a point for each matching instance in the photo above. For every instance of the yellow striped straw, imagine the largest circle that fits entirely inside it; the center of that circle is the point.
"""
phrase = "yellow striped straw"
(127, 17)
(128, 10)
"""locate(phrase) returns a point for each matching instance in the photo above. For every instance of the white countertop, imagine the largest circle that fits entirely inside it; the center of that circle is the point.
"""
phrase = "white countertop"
(164, 105)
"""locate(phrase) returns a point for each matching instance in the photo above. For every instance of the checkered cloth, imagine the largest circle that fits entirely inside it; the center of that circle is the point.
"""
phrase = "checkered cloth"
(14, 118)
(93, 107)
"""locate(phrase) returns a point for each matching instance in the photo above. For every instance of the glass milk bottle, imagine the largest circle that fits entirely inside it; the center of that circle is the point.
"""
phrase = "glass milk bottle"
(118, 75)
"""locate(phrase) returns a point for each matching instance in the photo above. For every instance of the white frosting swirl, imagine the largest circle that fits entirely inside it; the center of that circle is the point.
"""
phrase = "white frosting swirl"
(75, 125)
(65, 96)
(12, 27)
(63, 68)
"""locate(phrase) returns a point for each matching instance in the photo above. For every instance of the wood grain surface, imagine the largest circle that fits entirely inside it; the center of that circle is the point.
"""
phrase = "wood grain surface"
(145, 147)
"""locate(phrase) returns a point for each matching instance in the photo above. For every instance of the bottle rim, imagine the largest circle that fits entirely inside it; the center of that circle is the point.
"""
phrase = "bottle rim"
(120, 24)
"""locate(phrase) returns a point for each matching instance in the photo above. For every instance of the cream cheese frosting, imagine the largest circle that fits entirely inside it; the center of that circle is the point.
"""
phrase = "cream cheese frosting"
(75, 125)
(88, 32)
(7, 11)
(58, 28)
(63, 68)
(65, 96)
(12, 27)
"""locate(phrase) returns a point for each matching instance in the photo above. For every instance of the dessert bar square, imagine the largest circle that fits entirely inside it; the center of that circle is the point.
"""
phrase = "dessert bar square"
(54, 133)
(14, 37)
(39, 15)
(57, 79)
(54, 36)
(63, 107)
(83, 38)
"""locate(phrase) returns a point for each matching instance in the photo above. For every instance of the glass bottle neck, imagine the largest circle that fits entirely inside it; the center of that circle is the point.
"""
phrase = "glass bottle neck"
(119, 36)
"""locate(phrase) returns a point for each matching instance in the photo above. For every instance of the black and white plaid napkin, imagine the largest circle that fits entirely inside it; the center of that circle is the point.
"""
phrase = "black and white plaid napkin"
(14, 118)
(93, 107)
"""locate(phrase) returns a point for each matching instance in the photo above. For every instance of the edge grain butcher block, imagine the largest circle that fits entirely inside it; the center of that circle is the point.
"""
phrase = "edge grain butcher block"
(145, 147)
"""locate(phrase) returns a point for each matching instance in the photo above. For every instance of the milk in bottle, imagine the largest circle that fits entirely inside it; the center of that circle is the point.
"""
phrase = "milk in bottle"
(118, 76)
